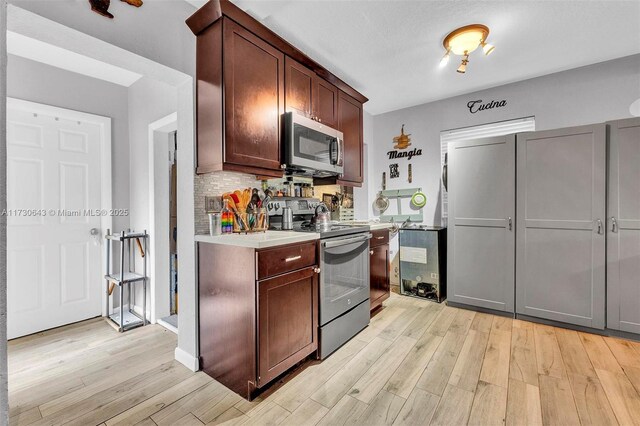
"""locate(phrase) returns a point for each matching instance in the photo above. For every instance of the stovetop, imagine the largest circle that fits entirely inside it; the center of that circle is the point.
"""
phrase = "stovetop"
(330, 230)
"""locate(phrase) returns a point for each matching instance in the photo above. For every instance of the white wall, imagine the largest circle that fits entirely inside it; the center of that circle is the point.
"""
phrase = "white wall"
(149, 100)
(586, 95)
(4, 394)
(160, 24)
(37, 82)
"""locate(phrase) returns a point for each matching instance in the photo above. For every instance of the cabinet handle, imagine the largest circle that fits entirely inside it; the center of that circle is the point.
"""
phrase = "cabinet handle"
(371, 252)
(599, 226)
(379, 238)
(510, 221)
(614, 224)
(291, 259)
(316, 270)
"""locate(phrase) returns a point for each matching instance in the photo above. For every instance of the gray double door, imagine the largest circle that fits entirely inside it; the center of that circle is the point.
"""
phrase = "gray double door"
(561, 202)
(481, 237)
(623, 226)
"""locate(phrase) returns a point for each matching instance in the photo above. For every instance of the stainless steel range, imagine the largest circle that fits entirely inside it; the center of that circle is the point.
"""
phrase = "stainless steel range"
(344, 274)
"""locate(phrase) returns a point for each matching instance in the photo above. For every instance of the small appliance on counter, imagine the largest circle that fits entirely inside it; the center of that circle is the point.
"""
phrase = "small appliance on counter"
(423, 262)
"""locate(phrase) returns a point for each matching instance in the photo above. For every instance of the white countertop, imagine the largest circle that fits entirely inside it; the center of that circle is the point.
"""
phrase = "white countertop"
(259, 240)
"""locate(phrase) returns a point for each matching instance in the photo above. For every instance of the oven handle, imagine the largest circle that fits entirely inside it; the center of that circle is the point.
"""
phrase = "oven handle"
(346, 241)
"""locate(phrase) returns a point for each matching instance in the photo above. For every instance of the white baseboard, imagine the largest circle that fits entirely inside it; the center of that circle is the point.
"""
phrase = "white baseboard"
(187, 360)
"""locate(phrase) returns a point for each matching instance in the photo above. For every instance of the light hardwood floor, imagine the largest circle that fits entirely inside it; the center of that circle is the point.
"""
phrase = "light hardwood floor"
(417, 363)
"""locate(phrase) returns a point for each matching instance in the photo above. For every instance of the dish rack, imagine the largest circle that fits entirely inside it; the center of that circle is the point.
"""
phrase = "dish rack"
(398, 194)
(125, 319)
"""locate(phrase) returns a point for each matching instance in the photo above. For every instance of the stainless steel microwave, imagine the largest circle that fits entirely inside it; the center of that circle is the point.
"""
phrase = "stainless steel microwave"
(312, 147)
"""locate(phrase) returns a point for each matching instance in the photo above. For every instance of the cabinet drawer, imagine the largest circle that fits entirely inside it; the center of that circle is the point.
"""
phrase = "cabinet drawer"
(278, 260)
(379, 237)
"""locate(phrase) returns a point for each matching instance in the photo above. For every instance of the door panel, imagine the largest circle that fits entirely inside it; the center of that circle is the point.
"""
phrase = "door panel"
(350, 121)
(560, 260)
(254, 99)
(53, 174)
(481, 241)
(379, 272)
(299, 82)
(325, 100)
(623, 238)
(287, 321)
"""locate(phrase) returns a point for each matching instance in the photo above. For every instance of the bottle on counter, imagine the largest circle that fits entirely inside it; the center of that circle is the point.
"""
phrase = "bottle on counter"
(227, 217)
(297, 190)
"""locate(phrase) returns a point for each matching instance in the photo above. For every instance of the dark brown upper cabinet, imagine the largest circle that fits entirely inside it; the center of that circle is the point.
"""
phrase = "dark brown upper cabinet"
(310, 95)
(239, 130)
(246, 76)
(350, 123)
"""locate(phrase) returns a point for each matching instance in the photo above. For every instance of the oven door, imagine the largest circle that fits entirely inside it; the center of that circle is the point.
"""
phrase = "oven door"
(344, 274)
(312, 145)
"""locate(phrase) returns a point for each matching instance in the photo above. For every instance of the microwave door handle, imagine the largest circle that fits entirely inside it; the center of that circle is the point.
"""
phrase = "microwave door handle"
(340, 158)
(333, 151)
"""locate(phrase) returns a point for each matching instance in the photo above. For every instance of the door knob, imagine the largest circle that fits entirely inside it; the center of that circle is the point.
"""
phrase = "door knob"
(614, 224)
(599, 226)
(510, 223)
(94, 231)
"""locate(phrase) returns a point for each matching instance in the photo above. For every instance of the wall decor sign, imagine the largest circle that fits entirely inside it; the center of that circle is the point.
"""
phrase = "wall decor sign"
(403, 141)
(475, 106)
(394, 171)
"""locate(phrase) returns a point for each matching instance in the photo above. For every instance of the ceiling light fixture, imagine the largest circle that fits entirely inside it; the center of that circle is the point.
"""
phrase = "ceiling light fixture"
(465, 40)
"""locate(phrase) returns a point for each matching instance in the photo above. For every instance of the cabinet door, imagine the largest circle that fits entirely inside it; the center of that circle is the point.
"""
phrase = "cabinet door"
(254, 99)
(481, 237)
(350, 123)
(560, 259)
(287, 322)
(325, 102)
(379, 268)
(623, 227)
(299, 84)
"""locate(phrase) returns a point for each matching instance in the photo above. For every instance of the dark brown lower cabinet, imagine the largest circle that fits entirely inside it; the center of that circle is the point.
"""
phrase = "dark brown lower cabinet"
(379, 268)
(258, 312)
(287, 322)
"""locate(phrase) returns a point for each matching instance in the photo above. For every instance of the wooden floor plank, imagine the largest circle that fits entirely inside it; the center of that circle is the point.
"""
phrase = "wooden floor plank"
(418, 409)
(624, 351)
(495, 367)
(345, 412)
(462, 321)
(623, 397)
(423, 320)
(308, 413)
(454, 407)
(574, 355)
(435, 377)
(405, 378)
(372, 382)
(489, 405)
(383, 410)
(548, 355)
(466, 372)
(332, 391)
(482, 322)
(523, 404)
(591, 401)
(441, 324)
(523, 365)
(556, 400)
(599, 353)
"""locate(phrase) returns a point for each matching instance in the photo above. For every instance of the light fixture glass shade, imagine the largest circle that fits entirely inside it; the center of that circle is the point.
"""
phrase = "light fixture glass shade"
(462, 68)
(445, 60)
(488, 48)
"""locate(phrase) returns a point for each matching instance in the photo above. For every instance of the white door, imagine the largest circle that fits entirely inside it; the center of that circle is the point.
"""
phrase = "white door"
(481, 233)
(53, 181)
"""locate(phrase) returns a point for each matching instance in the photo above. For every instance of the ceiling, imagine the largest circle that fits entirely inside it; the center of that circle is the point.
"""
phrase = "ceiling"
(390, 50)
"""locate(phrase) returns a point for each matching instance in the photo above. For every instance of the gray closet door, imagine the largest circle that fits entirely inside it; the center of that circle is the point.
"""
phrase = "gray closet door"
(623, 237)
(560, 259)
(481, 242)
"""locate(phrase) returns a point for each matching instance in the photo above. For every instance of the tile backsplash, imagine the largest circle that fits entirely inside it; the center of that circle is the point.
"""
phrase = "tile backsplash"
(216, 184)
